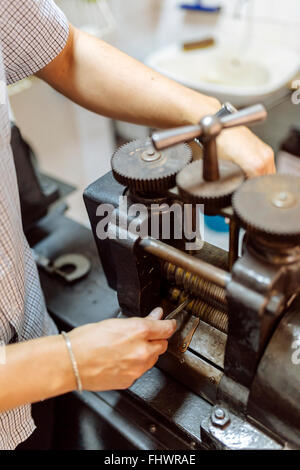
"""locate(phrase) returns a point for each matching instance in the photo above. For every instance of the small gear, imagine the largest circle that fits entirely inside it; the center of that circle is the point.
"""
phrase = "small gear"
(143, 169)
(270, 207)
(213, 194)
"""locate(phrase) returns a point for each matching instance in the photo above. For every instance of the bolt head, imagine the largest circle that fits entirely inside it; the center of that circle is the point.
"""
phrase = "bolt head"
(220, 417)
(152, 428)
(219, 413)
(150, 155)
(283, 199)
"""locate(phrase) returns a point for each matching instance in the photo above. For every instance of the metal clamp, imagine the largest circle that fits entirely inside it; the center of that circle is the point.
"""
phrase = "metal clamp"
(71, 267)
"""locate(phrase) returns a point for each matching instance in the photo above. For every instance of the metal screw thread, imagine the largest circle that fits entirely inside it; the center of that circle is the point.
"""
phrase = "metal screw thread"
(195, 285)
(207, 313)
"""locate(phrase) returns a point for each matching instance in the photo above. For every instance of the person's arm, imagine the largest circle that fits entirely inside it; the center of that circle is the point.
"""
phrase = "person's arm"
(103, 79)
(110, 354)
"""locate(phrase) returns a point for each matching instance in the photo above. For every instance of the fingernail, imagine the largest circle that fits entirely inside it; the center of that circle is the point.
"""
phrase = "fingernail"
(156, 313)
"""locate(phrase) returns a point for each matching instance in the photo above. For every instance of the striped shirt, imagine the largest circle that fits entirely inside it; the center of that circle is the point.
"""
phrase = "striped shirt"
(32, 33)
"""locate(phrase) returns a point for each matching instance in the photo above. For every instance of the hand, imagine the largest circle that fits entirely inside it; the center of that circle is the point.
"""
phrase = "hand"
(112, 354)
(243, 147)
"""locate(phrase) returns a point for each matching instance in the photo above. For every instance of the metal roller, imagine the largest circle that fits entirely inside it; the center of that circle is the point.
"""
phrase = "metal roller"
(207, 313)
(195, 285)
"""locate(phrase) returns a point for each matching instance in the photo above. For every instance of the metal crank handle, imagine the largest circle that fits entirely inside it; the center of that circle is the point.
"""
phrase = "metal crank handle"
(209, 127)
(177, 309)
(246, 116)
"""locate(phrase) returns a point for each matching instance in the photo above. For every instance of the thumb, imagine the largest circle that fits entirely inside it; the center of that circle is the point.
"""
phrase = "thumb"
(156, 314)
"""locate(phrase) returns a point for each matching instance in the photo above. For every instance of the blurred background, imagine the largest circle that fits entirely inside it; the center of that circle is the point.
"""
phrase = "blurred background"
(254, 55)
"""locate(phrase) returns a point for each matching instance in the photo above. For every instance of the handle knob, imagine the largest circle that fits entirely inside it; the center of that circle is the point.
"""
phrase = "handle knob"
(209, 127)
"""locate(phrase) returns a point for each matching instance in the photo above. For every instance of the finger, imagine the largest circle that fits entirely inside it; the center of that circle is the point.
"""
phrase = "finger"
(160, 329)
(158, 347)
(156, 314)
(151, 363)
(273, 167)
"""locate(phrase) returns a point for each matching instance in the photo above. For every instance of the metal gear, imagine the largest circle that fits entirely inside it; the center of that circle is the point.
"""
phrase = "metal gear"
(213, 194)
(270, 207)
(143, 169)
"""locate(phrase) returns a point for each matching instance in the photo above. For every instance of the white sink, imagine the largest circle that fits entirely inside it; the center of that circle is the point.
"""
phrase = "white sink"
(258, 72)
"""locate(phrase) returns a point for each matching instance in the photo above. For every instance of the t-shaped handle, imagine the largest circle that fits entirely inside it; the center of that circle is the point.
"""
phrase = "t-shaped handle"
(208, 129)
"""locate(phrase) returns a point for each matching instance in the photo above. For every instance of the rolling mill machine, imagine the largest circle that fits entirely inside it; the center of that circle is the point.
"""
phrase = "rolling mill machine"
(238, 315)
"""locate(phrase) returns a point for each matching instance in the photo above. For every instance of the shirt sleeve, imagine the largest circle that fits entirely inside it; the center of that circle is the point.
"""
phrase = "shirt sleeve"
(32, 34)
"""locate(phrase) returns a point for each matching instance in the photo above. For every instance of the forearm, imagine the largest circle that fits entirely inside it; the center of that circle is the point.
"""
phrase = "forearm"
(35, 370)
(105, 80)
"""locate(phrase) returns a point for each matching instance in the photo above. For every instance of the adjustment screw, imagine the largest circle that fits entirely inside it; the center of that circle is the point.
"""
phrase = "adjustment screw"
(220, 417)
(150, 155)
(219, 413)
(152, 428)
(283, 200)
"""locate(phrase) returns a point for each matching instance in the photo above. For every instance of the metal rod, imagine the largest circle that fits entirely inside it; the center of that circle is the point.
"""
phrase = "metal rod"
(196, 266)
(245, 116)
(233, 254)
(210, 161)
(164, 139)
(177, 310)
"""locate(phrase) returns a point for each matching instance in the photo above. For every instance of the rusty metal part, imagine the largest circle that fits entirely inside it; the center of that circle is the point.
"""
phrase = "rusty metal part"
(213, 194)
(177, 310)
(207, 313)
(278, 199)
(143, 169)
(201, 268)
(188, 338)
(195, 285)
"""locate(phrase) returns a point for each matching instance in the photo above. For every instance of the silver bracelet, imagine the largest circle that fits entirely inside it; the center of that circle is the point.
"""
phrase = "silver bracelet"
(73, 361)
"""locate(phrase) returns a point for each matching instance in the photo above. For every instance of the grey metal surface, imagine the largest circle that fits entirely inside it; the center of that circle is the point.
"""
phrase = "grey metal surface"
(275, 393)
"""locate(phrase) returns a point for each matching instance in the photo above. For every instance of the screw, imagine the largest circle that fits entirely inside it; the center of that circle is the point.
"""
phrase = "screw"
(219, 413)
(283, 200)
(150, 156)
(152, 428)
(220, 417)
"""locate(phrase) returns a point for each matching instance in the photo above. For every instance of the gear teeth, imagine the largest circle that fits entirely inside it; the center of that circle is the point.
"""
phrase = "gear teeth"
(256, 212)
(148, 177)
(213, 195)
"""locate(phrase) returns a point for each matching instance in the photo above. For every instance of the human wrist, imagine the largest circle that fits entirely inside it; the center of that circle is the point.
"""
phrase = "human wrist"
(202, 106)
(73, 361)
(60, 368)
